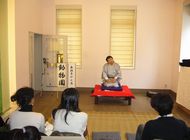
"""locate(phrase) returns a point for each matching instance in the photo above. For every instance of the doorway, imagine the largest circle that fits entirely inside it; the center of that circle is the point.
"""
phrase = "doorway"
(35, 58)
(45, 53)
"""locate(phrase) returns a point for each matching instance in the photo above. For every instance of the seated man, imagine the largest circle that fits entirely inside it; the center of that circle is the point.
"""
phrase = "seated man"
(165, 126)
(111, 74)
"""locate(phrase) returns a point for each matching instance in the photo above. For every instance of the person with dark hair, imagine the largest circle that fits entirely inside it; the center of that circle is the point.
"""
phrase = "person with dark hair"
(67, 116)
(24, 98)
(111, 73)
(165, 126)
(2, 123)
(26, 133)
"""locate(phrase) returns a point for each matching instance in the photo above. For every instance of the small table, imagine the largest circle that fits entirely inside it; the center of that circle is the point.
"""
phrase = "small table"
(125, 93)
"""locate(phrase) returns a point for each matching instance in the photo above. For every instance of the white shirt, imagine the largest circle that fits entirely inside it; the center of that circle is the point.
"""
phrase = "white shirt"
(19, 119)
(168, 115)
(111, 71)
(77, 122)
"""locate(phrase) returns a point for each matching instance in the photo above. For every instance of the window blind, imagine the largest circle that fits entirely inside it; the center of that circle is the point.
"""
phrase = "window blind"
(68, 22)
(123, 37)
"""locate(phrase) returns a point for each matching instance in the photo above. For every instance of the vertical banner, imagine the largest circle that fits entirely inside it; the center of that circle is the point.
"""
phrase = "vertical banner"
(71, 75)
(61, 74)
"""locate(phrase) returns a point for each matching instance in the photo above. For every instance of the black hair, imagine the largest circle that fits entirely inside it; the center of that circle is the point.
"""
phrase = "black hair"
(162, 103)
(23, 96)
(27, 133)
(69, 101)
(108, 57)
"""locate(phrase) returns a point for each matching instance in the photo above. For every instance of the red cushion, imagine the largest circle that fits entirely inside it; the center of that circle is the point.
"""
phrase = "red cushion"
(124, 93)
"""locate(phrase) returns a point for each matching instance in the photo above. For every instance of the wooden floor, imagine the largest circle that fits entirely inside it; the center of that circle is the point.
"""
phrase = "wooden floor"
(111, 114)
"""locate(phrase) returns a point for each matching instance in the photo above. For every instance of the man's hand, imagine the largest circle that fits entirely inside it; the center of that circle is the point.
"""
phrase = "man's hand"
(111, 80)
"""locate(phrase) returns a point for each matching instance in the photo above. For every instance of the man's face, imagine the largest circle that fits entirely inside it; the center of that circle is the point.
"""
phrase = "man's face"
(110, 61)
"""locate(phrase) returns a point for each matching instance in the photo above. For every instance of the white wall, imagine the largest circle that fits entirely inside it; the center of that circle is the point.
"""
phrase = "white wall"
(28, 17)
(176, 48)
(156, 26)
(11, 47)
(154, 42)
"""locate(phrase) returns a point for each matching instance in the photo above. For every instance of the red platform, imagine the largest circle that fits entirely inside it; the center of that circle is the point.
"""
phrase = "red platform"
(126, 93)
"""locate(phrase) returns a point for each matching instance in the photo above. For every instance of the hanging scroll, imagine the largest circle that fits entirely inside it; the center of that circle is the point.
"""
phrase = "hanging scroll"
(71, 75)
(61, 74)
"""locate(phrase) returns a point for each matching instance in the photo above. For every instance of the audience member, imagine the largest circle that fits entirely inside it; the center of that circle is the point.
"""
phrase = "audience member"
(68, 117)
(165, 126)
(2, 123)
(24, 98)
(26, 133)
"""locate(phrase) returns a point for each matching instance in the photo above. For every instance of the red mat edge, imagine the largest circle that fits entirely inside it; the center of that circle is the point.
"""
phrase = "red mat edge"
(110, 94)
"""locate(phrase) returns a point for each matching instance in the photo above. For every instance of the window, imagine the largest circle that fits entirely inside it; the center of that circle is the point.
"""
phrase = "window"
(184, 49)
(123, 36)
(68, 23)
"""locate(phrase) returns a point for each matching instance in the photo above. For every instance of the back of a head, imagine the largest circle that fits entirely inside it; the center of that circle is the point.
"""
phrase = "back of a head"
(27, 133)
(31, 133)
(69, 99)
(23, 96)
(16, 134)
(162, 103)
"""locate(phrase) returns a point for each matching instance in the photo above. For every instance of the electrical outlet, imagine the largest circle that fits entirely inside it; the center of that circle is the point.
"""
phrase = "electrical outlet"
(165, 85)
